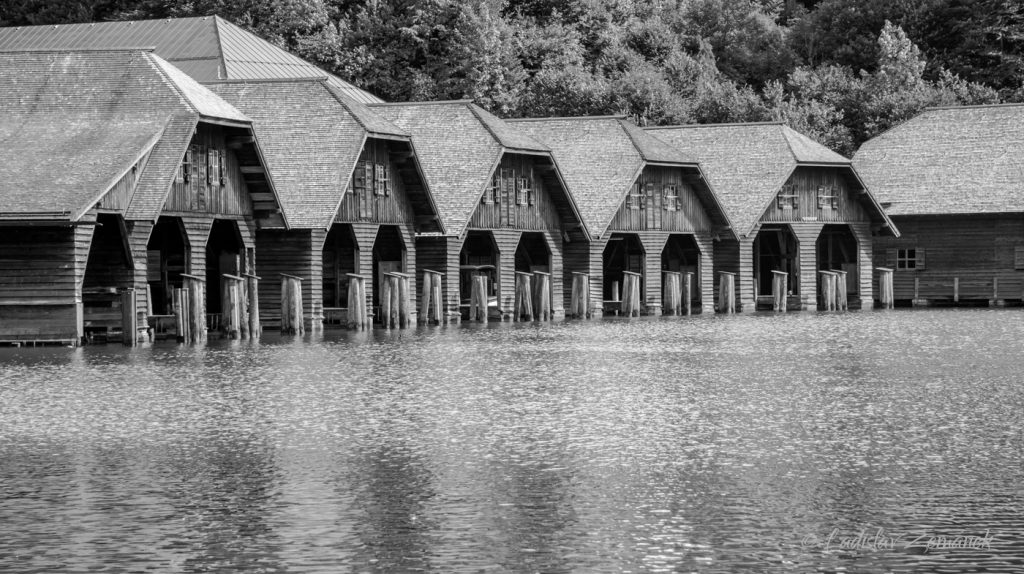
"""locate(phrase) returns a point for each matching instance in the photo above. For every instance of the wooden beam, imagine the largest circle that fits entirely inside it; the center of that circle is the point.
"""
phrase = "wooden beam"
(240, 141)
(252, 169)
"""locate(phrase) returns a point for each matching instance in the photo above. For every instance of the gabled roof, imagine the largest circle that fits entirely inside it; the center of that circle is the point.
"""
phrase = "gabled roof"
(73, 123)
(459, 146)
(312, 137)
(601, 158)
(747, 163)
(206, 48)
(949, 161)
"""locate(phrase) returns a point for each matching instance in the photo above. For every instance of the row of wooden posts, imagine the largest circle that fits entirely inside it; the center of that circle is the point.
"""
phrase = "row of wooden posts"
(241, 316)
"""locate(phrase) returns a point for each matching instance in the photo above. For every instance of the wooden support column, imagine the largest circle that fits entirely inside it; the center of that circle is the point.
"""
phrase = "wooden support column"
(556, 274)
(478, 298)
(956, 289)
(996, 301)
(745, 289)
(597, 277)
(654, 245)
(828, 291)
(232, 306)
(506, 240)
(865, 263)
(365, 234)
(182, 315)
(688, 293)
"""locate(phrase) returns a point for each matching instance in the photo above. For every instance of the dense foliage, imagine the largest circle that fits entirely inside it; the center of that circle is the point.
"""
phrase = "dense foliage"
(841, 71)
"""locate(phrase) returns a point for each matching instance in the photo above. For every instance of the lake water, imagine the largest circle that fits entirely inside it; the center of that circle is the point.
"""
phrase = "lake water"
(759, 443)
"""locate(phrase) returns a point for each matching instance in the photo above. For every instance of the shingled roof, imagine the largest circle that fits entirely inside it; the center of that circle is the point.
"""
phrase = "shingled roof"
(949, 161)
(459, 146)
(72, 123)
(311, 136)
(601, 158)
(206, 48)
(747, 163)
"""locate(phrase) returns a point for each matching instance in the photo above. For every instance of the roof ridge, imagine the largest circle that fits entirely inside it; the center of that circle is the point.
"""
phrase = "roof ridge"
(789, 143)
(564, 118)
(487, 126)
(639, 148)
(220, 45)
(975, 106)
(69, 50)
(295, 80)
(427, 103)
(174, 85)
(716, 125)
(323, 84)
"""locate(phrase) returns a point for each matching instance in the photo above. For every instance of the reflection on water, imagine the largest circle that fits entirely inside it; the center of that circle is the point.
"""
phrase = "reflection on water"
(714, 444)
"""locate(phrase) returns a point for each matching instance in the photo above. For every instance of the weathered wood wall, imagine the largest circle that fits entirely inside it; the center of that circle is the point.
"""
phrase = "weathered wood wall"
(805, 183)
(41, 274)
(975, 248)
(295, 252)
(649, 205)
(370, 197)
(209, 180)
(507, 204)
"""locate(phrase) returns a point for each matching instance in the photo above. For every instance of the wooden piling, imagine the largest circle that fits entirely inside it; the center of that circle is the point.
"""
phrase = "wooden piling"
(542, 295)
(405, 304)
(430, 300)
(615, 292)
(386, 287)
(522, 308)
(780, 291)
(252, 285)
(129, 318)
(726, 292)
(672, 293)
(292, 322)
(828, 290)
(842, 300)
(956, 289)
(179, 299)
(631, 294)
(232, 306)
(688, 292)
(357, 318)
(579, 304)
(885, 292)
(478, 298)
(196, 319)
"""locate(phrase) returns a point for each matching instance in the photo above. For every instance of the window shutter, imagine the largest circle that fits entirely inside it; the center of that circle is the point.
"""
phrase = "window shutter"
(919, 256)
(221, 160)
(211, 157)
(359, 178)
(890, 258)
(186, 166)
(520, 189)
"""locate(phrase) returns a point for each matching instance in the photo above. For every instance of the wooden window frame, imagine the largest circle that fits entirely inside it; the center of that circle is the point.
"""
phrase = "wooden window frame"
(635, 199)
(185, 169)
(826, 195)
(493, 190)
(788, 198)
(670, 197)
(381, 181)
(909, 258)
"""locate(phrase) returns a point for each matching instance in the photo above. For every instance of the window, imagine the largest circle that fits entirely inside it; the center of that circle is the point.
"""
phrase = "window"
(826, 197)
(670, 197)
(788, 197)
(911, 258)
(213, 168)
(185, 169)
(492, 191)
(381, 183)
(524, 191)
(635, 199)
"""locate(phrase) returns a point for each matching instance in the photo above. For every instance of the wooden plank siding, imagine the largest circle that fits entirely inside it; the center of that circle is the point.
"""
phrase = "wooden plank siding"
(41, 274)
(653, 243)
(865, 264)
(198, 186)
(977, 249)
(647, 208)
(805, 182)
(369, 199)
(502, 207)
(117, 199)
(706, 275)
(295, 252)
(506, 240)
(441, 254)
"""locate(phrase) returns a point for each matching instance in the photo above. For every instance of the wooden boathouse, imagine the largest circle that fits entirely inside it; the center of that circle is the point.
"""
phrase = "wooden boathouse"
(121, 175)
(351, 186)
(801, 213)
(503, 205)
(649, 210)
(951, 179)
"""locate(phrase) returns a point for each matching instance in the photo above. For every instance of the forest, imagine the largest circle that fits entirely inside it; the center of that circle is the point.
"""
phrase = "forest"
(841, 71)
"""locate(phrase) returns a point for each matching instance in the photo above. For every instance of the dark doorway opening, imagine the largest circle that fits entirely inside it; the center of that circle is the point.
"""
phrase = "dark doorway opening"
(223, 255)
(166, 259)
(624, 252)
(776, 249)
